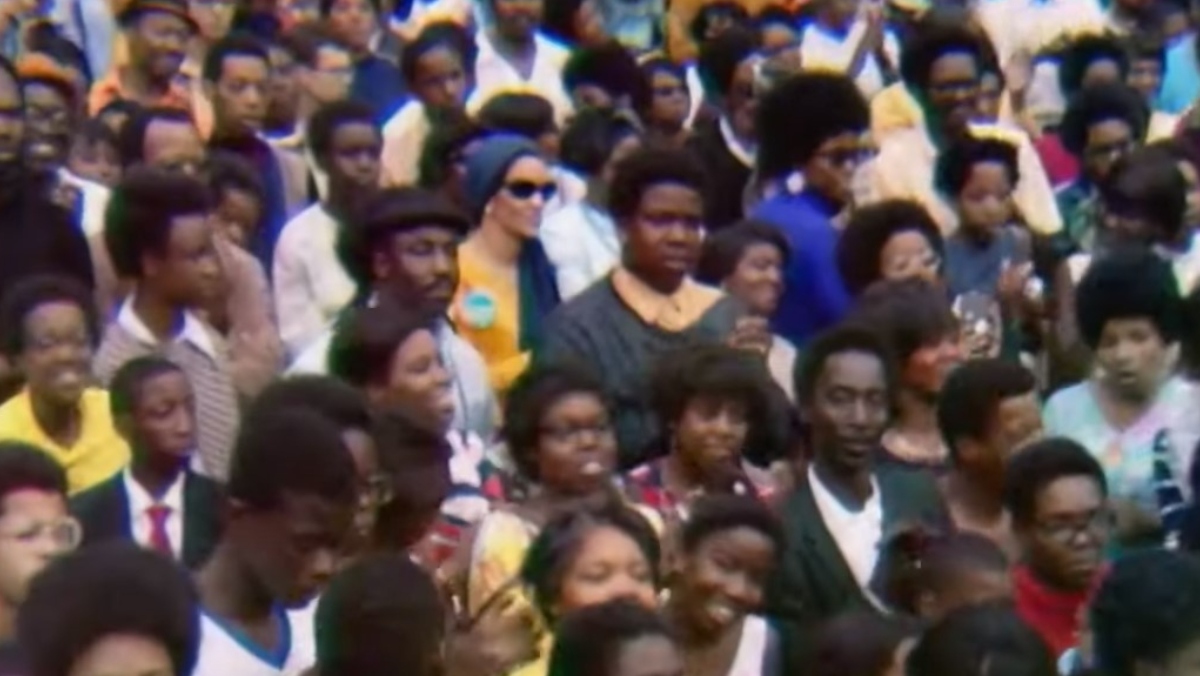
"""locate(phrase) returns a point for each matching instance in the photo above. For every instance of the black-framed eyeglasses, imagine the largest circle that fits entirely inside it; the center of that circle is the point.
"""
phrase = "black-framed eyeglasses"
(1067, 531)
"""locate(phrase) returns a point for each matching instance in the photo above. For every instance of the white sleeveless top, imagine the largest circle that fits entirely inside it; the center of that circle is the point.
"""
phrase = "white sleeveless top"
(751, 648)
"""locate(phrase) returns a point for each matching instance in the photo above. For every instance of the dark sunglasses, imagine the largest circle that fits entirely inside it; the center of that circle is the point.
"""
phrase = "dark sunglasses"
(524, 190)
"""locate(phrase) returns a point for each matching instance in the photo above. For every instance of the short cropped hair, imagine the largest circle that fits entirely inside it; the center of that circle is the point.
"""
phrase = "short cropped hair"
(365, 340)
(31, 293)
(438, 34)
(125, 388)
(720, 513)
(131, 140)
(588, 641)
(288, 450)
(521, 113)
(381, 615)
(931, 41)
(841, 340)
(235, 44)
(916, 561)
(716, 372)
(1041, 464)
(142, 211)
(110, 589)
(955, 164)
(591, 137)
(985, 639)
(25, 467)
(331, 117)
(646, 168)
(723, 250)
(907, 314)
(1084, 51)
(969, 399)
(609, 66)
(327, 396)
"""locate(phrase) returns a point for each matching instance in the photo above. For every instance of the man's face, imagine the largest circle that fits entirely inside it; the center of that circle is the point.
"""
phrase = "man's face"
(12, 121)
(188, 270)
(293, 549)
(517, 20)
(50, 123)
(849, 410)
(953, 89)
(34, 528)
(174, 146)
(159, 42)
(662, 241)
(240, 93)
(419, 267)
(355, 22)
(1105, 143)
(353, 161)
(1065, 542)
(330, 76)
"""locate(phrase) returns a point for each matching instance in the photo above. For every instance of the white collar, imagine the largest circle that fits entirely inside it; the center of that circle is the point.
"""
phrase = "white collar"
(193, 330)
(744, 153)
(140, 500)
(832, 508)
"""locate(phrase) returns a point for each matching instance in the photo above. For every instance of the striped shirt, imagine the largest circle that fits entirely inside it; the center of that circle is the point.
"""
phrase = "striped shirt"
(199, 351)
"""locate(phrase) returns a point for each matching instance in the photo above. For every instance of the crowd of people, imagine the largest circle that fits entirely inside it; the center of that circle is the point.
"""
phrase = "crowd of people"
(599, 338)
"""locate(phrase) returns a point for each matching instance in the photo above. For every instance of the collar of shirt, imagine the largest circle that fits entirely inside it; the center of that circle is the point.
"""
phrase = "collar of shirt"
(192, 331)
(744, 153)
(671, 312)
(140, 499)
(111, 89)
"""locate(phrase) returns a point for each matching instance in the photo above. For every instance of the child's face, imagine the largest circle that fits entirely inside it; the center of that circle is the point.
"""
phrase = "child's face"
(95, 162)
(238, 216)
(163, 422)
(984, 205)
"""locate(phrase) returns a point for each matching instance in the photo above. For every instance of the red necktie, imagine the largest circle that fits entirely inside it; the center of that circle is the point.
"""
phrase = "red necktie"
(159, 540)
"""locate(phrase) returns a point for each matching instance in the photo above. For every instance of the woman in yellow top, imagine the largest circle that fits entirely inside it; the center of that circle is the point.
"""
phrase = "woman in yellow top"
(506, 282)
(49, 333)
(560, 437)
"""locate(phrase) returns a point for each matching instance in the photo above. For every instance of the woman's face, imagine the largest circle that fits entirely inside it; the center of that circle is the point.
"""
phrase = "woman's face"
(927, 368)
(517, 206)
(985, 203)
(710, 435)
(757, 280)
(419, 383)
(671, 102)
(577, 450)
(831, 169)
(1132, 356)
(57, 352)
(609, 566)
(722, 580)
(909, 254)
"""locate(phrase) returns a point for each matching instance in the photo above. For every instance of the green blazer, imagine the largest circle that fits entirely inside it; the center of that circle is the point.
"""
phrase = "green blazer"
(812, 583)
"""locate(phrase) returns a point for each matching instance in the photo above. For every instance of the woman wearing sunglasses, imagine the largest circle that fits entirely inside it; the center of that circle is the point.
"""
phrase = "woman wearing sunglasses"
(506, 282)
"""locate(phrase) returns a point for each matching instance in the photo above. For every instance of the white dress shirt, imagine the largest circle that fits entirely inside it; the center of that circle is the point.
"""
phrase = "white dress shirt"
(582, 243)
(140, 502)
(495, 75)
(856, 533)
(311, 286)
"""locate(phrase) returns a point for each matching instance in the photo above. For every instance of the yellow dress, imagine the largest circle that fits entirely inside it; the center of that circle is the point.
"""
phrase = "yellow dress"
(486, 311)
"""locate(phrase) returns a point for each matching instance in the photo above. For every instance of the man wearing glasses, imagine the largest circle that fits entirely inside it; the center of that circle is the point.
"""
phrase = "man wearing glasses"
(1056, 496)
(34, 528)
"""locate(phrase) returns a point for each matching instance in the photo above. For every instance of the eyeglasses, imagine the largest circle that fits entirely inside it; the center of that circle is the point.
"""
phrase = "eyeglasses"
(524, 190)
(66, 533)
(840, 157)
(1067, 531)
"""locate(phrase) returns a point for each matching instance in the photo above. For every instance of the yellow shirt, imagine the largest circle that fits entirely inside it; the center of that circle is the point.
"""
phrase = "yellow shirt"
(97, 455)
(486, 311)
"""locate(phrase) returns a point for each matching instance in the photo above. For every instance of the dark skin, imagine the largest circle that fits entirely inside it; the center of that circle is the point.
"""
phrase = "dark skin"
(847, 412)
(663, 238)
(352, 164)
(54, 360)
(160, 430)
(157, 46)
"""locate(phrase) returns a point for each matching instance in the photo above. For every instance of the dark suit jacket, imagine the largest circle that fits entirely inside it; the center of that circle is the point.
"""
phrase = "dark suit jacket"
(103, 511)
(813, 583)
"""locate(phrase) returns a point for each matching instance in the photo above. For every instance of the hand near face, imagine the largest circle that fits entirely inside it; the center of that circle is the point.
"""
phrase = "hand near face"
(751, 333)
(499, 640)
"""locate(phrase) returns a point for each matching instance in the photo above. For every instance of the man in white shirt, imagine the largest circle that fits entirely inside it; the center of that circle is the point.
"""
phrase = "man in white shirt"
(157, 501)
(847, 504)
(310, 283)
(291, 501)
(514, 55)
